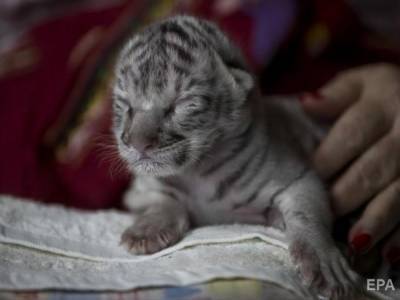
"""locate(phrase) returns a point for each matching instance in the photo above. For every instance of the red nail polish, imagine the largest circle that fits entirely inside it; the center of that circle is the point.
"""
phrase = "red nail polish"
(361, 242)
(393, 255)
(313, 96)
(317, 96)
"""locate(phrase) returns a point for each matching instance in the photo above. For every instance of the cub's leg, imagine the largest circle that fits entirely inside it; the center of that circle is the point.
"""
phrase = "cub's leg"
(305, 208)
(161, 219)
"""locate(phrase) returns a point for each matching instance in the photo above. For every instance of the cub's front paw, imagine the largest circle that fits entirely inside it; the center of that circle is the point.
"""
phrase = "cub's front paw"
(325, 270)
(150, 234)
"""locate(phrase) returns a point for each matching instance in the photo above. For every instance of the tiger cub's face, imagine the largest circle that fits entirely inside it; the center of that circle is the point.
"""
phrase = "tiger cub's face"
(174, 98)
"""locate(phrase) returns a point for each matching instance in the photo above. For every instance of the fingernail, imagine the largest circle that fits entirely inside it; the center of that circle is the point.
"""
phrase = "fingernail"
(361, 242)
(313, 96)
(393, 255)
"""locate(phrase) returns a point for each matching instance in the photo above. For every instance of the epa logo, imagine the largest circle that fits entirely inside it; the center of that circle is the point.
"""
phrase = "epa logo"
(380, 285)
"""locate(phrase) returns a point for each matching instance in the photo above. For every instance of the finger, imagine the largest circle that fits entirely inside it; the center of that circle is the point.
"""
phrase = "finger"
(380, 217)
(359, 127)
(373, 171)
(391, 250)
(333, 98)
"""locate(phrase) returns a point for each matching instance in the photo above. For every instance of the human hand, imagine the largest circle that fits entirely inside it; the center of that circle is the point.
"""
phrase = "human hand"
(363, 149)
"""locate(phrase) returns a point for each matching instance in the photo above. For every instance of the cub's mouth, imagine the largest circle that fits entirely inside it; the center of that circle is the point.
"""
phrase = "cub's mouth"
(166, 160)
(154, 165)
(154, 168)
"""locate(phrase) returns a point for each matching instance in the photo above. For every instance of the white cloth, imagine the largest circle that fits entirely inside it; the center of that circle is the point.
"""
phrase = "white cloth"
(51, 247)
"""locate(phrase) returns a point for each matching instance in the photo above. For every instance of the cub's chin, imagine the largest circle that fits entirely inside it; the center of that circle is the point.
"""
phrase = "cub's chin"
(154, 168)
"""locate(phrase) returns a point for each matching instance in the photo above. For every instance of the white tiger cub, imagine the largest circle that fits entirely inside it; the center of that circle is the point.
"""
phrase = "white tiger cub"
(205, 150)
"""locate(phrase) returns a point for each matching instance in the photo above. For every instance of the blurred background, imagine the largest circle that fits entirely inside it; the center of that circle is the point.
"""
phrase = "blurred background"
(56, 59)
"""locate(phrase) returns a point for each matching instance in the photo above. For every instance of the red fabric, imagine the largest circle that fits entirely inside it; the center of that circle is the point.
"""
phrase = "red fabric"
(30, 104)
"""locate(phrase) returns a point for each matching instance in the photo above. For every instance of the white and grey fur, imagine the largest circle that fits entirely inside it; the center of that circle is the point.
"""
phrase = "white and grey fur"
(205, 150)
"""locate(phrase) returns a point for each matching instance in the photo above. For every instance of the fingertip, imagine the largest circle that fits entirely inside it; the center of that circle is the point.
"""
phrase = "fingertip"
(391, 250)
(321, 104)
(360, 239)
(313, 103)
(311, 97)
(341, 205)
(321, 161)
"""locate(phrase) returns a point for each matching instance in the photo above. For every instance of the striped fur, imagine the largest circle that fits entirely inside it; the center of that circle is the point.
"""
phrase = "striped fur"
(222, 155)
(185, 78)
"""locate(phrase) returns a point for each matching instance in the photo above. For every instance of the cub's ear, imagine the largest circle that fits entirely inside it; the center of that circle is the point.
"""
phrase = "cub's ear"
(244, 80)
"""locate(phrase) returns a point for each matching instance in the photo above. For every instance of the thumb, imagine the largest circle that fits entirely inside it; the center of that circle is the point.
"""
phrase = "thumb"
(334, 97)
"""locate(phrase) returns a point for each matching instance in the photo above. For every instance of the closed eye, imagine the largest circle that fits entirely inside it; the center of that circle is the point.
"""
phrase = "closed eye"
(188, 103)
(179, 101)
(193, 104)
(194, 101)
(169, 111)
(120, 99)
(122, 105)
(130, 113)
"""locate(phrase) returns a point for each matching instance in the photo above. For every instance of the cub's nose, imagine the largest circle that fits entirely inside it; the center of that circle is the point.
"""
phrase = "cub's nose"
(142, 144)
